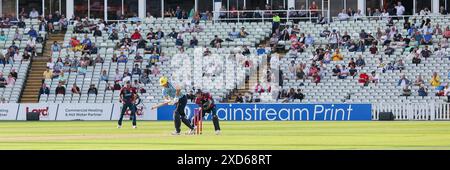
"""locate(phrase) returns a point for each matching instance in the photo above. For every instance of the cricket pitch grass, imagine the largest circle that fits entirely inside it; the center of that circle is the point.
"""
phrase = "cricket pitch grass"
(257, 135)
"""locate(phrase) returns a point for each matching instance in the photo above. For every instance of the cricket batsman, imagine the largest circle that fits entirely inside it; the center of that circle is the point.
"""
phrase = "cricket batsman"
(206, 103)
(128, 98)
(173, 96)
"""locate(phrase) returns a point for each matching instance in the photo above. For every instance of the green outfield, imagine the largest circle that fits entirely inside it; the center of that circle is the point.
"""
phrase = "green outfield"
(235, 135)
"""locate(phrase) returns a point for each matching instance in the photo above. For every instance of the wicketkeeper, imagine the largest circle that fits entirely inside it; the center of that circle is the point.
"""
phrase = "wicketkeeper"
(206, 103)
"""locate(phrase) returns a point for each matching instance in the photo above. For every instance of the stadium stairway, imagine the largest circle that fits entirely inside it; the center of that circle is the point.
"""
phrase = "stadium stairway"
(249, 85)
(33, 82)
(254, 78)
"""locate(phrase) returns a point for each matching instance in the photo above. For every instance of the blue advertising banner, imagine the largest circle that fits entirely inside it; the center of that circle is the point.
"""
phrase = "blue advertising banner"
(283, 112)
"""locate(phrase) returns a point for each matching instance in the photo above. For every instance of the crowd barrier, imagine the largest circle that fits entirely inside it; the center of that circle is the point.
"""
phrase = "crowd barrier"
(413, 111)
(233, 112)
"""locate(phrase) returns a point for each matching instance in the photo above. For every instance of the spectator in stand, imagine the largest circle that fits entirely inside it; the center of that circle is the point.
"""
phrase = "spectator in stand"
(406, 91)
(423, 91)
(144, 78)
(333, 39)
(243, 33)
(179, 41)
(216, 42)
(316, 78)
(399, 65)
(43, 90)
(193, 42)
(416, 59)
(364, 79)
(440, 52)
(447, 93)
(397, 37)
(358, 15)
(154, 58)
(92, 50)
(426, 52)
(389, 50)
(138, 58)
(444, 43)
(17, 35)
(419, 81)
(400, 9)
(373, 49)
(239, 98)
(353, 71)
(259, 88)
(136, 35)
(273, 40)
(141, 43)
(13, 73)
(403, 81)
(447, 32)
(309, 40)
(122, 58)
(62, 78)
(299, 95)
(97, 32)
(374, 77)
(75, 89)
(291, 95)
(60, 89)
(337, 56)
(33, 33)
(424, 11)
(2, 36)
(117, 76)
(48, 74)
(159, 34)
(114, 58)
(437, 30)
(435, 80)
(337, 70)
(325, 33)
(26, 56)
(114, 35)
(300, 73)
(21, 23)
(360, 62)
(92, 90)
(56, 48)
(104, 76)
(10, 81)
(34, 14)
(345, 39)
(136, 70)
(173, 34)
(75, 44)
(3, 81)
(155, 70)
(427, 39)
(344, 73)
(343, 16)
(442, 92)
(443, 11)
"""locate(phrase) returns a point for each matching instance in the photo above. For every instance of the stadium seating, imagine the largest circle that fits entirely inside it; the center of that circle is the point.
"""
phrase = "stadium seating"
(11, 94)
(332, 89)
(188, 69)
